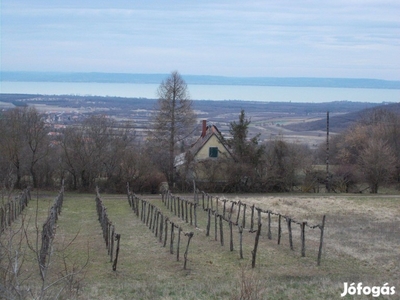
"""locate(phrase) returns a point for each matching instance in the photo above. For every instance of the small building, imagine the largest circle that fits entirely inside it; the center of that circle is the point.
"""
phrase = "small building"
(207, 158)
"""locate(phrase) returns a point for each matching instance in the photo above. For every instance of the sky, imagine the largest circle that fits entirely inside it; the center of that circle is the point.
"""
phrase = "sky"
(282, 38)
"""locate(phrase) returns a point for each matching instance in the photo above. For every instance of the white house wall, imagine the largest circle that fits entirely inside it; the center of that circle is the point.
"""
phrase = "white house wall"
(212, 142)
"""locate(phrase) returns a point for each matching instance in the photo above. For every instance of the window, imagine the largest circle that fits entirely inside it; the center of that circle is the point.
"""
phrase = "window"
(213, 152)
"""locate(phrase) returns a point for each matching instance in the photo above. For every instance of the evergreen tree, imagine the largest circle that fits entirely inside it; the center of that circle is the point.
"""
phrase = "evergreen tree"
(245, 150)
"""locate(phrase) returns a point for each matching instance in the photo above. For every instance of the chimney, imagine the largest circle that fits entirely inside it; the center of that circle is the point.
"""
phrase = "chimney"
(204, 129)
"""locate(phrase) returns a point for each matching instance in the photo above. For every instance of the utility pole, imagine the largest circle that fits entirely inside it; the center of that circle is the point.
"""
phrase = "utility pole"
(327, 183)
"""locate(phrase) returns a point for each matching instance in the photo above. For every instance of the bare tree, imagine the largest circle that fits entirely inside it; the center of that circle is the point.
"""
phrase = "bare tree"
(139, 171)
(174, 119)
(12, 146)
(36, 137)
(377, 162)
(283, 162)
(386, 126)
(372, 146)
(25, 139)
(73, 155)
(95, 150)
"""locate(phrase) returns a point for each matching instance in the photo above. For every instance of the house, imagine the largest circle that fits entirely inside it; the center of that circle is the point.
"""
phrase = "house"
(207, 158)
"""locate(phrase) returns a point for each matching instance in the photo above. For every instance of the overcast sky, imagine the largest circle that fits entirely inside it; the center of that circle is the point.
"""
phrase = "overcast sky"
(286, 38)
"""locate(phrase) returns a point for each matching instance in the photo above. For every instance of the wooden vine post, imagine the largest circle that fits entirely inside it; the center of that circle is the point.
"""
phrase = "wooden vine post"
(252, 219)
(289, 224)
(166, 232)
(240, 241)
(178, 209)
(117, 238)
(190, 235)
(216, 226)
(191, 214)
(254, 252)
(231, 235)
(141, 211)
(161, 227)
(148, 215)
(157, 222)
(269, 225)
(137, 207)
(151, 211)
(208, 222)
(238, 214)
(111, 248)
(224, 209)
(303, 239)
(171, 240)
(186, 213)
(195, 215)
(221, 230)
(182, 211)
(175, 205)
(244, 216)
(279, 229)
(321, 240)
(231, 211)
(179, 242)
(154, 219)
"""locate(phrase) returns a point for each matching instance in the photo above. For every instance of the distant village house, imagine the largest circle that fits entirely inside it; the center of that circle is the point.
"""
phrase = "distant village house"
(206, 160)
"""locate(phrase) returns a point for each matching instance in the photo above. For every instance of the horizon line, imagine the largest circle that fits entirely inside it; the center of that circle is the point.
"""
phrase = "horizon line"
(2, 72)
(157, 78)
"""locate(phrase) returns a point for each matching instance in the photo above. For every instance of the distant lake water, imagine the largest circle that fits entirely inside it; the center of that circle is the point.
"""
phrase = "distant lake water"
(207, 92)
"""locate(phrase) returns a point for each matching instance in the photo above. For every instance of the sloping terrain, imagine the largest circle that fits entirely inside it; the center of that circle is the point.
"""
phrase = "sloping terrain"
(339, 122)
(361, 244)
(303, 123)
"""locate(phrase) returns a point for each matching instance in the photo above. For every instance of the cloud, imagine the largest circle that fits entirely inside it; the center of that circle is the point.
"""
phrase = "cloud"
(233, 37)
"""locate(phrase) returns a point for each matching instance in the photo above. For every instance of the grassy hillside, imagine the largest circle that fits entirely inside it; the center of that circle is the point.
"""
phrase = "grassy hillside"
(340, 122)
(361, 245)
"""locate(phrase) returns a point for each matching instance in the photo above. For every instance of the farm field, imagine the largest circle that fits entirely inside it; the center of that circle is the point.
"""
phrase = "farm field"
(361, 244)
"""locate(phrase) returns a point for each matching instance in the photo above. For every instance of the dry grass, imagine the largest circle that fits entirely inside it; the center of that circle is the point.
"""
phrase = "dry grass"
(362, 244)
(363, 227)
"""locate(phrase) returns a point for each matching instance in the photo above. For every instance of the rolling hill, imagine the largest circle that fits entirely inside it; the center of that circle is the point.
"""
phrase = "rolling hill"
(339, 122)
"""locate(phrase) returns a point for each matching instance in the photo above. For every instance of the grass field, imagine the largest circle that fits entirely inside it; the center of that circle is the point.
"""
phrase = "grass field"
(361, 244)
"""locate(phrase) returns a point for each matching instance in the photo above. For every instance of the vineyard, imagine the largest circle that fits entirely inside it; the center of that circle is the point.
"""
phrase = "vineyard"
(197, 246)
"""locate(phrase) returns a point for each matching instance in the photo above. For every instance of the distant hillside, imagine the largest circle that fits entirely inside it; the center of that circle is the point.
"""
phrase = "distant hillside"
(268, 118)
(211, 107)
(341, 122)
(199, 79)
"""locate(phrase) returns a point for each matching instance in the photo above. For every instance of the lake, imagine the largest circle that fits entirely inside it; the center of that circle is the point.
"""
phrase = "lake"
(207, 92)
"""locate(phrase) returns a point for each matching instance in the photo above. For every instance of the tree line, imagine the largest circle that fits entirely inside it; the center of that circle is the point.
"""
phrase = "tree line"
(366, 156)
(101, 151)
